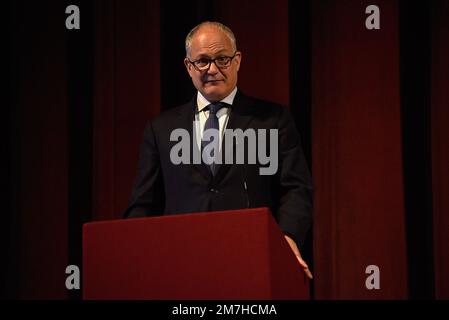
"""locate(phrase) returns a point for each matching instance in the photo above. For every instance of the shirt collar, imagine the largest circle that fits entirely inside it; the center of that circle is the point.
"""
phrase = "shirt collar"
(202, 102)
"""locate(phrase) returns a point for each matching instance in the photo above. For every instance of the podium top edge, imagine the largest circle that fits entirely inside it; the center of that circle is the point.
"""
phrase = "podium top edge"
(188, 215)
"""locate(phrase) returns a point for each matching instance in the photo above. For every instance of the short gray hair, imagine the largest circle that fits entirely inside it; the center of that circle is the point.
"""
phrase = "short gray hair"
(228, 32)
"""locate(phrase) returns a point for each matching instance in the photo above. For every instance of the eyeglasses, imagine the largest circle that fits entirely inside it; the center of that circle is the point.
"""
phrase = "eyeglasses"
(222, 62)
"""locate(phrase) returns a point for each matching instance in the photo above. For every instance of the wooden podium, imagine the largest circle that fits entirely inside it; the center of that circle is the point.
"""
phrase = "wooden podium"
(226, 255)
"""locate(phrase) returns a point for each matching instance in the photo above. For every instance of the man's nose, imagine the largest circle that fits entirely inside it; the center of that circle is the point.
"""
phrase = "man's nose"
(213, 69)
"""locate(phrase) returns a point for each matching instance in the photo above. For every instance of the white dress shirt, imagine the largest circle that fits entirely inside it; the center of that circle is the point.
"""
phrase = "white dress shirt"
(202, 115)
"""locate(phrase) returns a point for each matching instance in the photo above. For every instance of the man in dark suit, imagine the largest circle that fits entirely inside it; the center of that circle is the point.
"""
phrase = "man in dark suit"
(165, 186)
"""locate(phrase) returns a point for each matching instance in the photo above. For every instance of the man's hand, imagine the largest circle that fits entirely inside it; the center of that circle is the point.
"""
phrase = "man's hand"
(295, 249)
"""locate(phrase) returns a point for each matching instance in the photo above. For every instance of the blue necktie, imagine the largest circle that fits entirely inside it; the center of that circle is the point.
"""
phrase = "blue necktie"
(212, 123)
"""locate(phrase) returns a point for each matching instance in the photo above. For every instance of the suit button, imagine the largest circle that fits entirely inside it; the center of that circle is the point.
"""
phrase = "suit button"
(213, 190)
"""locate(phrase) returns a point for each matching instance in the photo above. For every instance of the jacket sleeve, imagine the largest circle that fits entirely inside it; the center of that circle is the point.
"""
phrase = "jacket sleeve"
(147, 197)
(294, 182)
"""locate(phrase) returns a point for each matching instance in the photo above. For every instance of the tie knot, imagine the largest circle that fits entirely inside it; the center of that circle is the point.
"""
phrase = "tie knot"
(214, 107)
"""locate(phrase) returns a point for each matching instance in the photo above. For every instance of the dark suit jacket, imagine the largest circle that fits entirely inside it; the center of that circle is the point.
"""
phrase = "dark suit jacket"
(164, 188)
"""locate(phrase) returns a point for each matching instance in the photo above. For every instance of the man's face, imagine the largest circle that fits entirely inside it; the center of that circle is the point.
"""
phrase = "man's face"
(214, 83)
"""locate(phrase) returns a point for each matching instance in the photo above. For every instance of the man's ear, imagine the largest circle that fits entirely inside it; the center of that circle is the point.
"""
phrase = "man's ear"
(238, 59)
(188, 66)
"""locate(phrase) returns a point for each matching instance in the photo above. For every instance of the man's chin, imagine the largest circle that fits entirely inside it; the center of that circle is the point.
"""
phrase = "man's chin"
(213, 95)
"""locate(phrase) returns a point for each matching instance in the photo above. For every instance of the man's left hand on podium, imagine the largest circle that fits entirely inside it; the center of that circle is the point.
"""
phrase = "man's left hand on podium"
(295, 250)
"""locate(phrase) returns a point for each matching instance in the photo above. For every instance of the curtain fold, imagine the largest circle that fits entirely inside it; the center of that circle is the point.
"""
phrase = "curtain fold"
(127, 96)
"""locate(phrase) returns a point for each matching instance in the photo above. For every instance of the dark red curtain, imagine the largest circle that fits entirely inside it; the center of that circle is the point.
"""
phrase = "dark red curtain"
(251, 24)
(357, 165)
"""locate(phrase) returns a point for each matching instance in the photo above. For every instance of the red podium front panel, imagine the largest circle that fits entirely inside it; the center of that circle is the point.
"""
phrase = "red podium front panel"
(238, 254)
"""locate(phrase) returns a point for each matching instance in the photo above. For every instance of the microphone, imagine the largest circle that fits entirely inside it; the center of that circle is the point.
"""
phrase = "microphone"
(245, 186)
